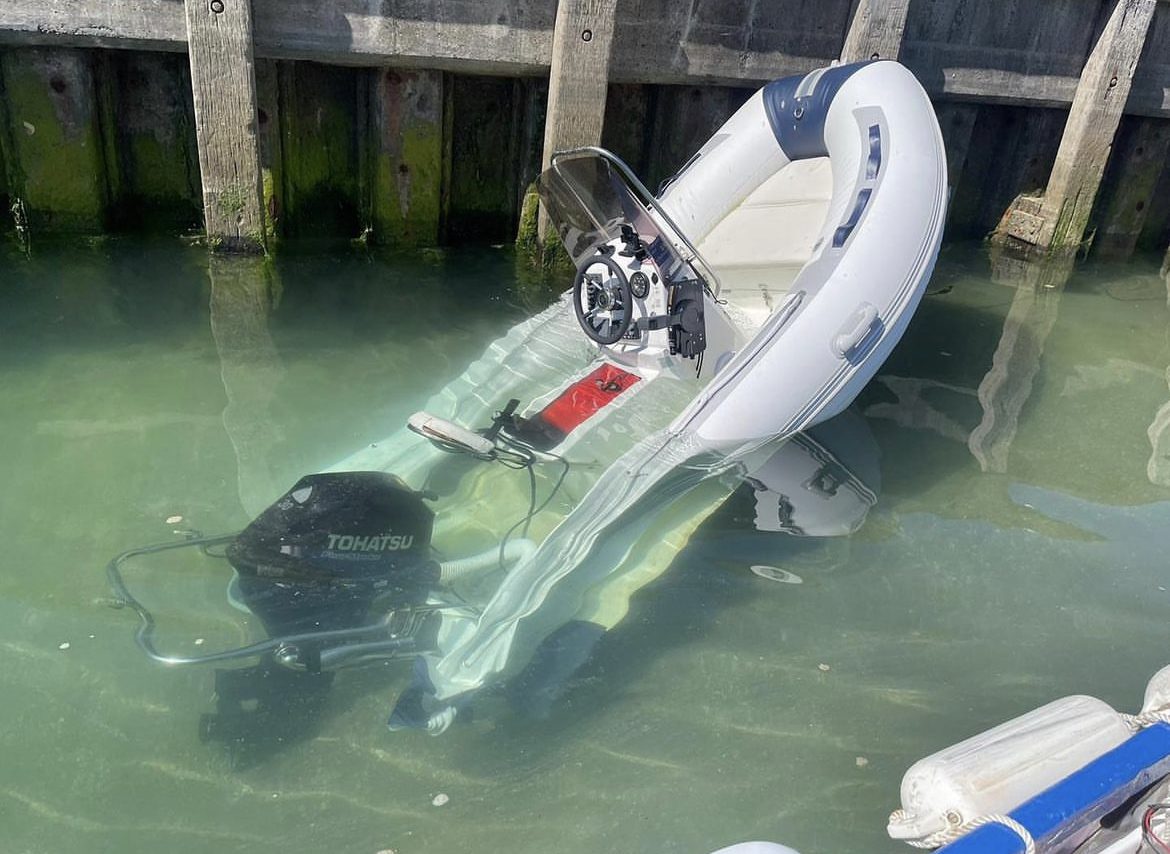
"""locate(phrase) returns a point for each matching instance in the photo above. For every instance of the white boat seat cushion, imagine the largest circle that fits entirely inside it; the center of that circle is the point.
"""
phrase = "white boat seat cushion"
(760, 247)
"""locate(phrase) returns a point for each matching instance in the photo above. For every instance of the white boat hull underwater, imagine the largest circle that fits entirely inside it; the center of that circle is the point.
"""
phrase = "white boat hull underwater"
(752, 299)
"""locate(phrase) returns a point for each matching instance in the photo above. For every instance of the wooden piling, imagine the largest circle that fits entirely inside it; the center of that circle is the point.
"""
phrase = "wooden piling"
(219, 37)
(578, 79)
(876, 30)
(1056, 221)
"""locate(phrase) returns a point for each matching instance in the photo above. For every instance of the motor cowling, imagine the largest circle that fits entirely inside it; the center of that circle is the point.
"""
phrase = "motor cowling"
(325, 550)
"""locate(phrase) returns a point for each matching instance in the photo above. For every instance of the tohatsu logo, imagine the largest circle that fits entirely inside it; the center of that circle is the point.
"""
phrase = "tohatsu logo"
(375, 543)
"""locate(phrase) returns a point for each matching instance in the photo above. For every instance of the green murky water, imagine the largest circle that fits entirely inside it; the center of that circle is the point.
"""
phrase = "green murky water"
(1018, 445)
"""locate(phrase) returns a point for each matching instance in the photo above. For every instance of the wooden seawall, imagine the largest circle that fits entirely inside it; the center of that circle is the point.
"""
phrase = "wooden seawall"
(416, 123)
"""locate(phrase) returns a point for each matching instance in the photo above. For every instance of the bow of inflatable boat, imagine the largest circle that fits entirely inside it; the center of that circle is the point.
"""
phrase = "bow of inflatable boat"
(820, 207)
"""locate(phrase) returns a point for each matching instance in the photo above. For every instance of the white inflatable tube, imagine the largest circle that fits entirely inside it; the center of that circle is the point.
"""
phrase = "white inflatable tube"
(756, 848)
(848, 307)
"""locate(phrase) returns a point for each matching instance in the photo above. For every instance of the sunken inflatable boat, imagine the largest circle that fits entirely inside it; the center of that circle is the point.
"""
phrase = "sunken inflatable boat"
(751, 299)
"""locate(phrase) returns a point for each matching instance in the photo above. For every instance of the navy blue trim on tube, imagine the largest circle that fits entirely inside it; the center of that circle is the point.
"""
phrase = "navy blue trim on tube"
(874, 165)
(799, 123)
(846, 228)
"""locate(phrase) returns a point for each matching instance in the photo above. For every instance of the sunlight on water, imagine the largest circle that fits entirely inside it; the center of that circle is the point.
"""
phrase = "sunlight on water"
(1006, 480)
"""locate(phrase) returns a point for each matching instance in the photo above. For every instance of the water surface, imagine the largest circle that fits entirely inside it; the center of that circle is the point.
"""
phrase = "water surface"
(1016, 444)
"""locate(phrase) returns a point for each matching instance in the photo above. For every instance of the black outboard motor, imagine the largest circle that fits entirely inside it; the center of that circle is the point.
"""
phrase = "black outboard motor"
(318, 557)
(316, 560)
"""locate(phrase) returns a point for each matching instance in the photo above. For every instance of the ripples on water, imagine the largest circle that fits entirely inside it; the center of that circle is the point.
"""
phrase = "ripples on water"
(1015, 451)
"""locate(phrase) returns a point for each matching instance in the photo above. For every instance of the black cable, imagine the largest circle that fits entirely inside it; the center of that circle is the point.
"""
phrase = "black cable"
(533, 510)
(531, 500)
(1148, 834)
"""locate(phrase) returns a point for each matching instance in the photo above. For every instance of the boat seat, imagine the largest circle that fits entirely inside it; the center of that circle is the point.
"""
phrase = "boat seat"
(761, 246)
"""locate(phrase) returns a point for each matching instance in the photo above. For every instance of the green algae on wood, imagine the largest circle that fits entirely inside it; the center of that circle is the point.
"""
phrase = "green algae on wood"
(318, 120)
(271, 156)
(58, 166)
(406, 157)
(483, 201)
(6, 202)
(158, 186)
(547, 256)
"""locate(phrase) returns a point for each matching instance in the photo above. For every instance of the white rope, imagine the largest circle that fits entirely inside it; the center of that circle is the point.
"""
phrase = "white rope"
(1139, 722)
(950, 834)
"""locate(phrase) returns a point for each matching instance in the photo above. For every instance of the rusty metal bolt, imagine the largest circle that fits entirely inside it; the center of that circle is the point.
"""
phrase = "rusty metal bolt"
(216, 6)
(587, 36)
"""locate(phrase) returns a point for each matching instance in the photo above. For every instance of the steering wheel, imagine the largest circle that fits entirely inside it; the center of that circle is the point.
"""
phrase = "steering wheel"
(602, 300)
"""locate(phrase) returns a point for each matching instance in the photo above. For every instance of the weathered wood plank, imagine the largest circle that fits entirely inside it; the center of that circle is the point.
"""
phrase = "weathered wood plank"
(321, 148)
(629, 123)
(1013, 53)
(406, 126)
(268, 131)
(1104, 87)
(54, 146)
(1092, 123)
(682, 119)
(578, 77)
(957, 121)
(484, 180)
(151, 152)
(503, 37)
(219, 34)
(724, 41)
(1025, 53)
(876, 30)
(140, 24)
(1011, 152)
(1130, 183)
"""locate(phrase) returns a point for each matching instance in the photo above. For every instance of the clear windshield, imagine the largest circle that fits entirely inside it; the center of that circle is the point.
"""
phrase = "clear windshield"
(588, 201)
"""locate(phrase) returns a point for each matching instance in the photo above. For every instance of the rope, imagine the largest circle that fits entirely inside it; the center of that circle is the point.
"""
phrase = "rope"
(950, 834)
(1145, 719)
